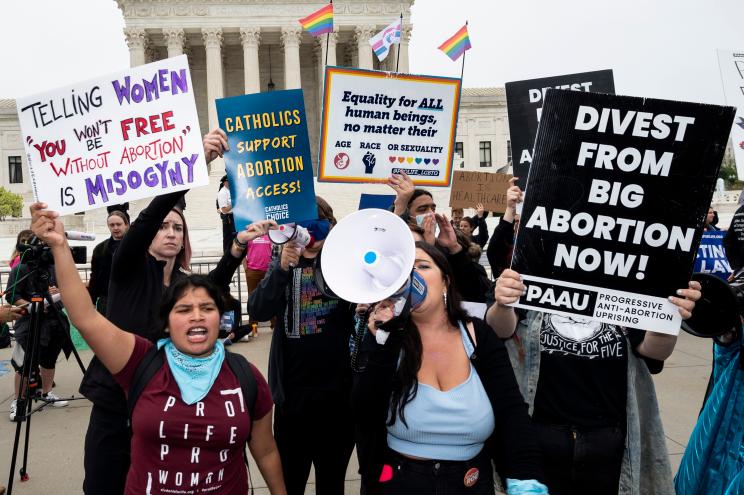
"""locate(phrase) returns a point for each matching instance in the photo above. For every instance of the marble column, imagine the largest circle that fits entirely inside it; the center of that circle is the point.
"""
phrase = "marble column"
(174, 41)
(363, 34)
(137, 42)
(250, 37)
(405, 38)
(215, 89)
(291, 42)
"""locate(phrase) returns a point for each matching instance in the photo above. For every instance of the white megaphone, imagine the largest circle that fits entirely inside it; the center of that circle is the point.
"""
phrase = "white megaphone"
(368, 256)
(291, 232)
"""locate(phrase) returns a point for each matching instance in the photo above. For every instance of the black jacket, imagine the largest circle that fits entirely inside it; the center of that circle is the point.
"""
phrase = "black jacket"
(500, 247)
(135, 291)
(512, 446)
(100, 271)
(309, 357)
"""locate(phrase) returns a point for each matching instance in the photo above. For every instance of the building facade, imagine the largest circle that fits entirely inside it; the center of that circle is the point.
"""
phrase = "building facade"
(235, 47)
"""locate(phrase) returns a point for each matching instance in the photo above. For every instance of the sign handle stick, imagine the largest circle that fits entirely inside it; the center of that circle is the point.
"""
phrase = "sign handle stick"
(462, 71)
(397, 48)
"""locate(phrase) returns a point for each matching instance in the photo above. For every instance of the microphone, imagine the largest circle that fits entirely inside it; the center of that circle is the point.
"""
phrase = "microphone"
(74, 235)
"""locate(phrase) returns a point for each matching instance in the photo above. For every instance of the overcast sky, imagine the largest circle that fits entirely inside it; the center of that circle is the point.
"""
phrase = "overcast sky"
(657, 48)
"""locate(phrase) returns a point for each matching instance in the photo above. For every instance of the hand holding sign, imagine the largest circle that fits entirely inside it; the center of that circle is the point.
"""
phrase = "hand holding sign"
(256, 230)
(509, 288)
(47, 226)
(403, 187)
(215, 144)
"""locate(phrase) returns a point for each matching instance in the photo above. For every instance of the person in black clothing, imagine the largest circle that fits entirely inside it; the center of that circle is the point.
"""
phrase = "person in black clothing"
(437, 399)
(733, 241)
(224, 206)
(501, 245)
(590, 393)
(100, 261)
(309, 371)
(154, 253)
(469, 224)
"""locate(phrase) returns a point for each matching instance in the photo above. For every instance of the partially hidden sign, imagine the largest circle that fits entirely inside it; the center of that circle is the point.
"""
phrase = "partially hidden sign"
(616, 198)
(126, 136)
(268, 165)
(711, 255)
(376, 124)
(471, 188)
(524, 102)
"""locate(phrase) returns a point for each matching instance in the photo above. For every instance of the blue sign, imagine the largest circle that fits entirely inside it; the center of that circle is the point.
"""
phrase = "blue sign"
(381, 201)
(268, 166)
(711, 256)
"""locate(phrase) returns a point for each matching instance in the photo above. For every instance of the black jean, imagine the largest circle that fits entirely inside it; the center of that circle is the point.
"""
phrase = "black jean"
(409, 476)
(107, 446)
(580, 461)
(322, 436)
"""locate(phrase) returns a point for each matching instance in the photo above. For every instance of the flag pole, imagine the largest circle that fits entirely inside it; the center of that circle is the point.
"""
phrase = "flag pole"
(328, 37)
(462, 71)
(397, 48)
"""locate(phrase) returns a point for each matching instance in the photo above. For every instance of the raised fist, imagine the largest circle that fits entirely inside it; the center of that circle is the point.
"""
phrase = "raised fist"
(369, 162)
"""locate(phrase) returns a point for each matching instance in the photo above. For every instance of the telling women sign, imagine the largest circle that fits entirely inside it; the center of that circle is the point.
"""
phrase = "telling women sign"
(130, 135)
(376, 124)
(616, 198)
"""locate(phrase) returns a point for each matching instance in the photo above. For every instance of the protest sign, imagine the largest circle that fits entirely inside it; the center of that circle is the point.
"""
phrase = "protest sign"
(113, 139)
(268, 165)
(711, 255)
(381, 201)
(524, 102)
(731, 64)
(616, 198)
(376, 124)
(471, 188)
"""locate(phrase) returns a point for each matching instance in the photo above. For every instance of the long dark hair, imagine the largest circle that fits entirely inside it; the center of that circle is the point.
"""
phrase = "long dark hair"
(405, 384)
(178, 288)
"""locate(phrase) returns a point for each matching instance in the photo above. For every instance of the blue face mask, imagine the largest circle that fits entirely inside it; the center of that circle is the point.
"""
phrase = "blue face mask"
(318, 228)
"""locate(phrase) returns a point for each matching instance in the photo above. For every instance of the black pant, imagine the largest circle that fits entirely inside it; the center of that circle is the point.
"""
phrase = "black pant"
(581, 461)
(322, 436)
(409, 476)
(107, 447)
(228, 231)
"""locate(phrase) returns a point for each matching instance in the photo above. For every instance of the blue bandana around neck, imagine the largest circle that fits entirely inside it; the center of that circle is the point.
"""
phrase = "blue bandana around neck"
(194, 376)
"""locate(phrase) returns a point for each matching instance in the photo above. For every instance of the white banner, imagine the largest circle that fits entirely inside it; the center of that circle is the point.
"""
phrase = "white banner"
(126, 136)
(731, 64)
(376, 124)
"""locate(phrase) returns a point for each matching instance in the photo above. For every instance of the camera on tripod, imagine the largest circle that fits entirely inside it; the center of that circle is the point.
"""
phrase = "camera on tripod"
(36, 252)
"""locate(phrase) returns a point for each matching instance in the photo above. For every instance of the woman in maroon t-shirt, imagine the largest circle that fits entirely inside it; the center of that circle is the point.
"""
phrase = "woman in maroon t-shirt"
(191, 421)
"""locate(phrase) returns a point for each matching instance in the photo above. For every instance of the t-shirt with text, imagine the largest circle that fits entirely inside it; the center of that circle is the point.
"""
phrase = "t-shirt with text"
(189, 449)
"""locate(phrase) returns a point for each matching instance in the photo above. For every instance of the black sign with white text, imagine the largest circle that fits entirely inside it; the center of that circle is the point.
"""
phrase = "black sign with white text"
(524, 101)
(615, 203)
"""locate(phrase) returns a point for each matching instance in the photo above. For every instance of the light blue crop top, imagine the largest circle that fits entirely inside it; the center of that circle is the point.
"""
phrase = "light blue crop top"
(450, 426)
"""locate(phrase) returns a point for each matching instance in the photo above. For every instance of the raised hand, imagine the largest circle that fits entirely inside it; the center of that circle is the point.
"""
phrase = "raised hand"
(215, 144)
(509, 287)
(403, 187)
(447, 237)
(47, 226)
(256, 230)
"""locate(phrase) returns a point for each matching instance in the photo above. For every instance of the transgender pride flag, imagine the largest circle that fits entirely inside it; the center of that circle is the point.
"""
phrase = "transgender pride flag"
(382, 41)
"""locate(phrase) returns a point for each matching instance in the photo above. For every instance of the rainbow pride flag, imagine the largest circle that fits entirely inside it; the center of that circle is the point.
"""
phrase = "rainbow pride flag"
(319, 22)
(457, 44)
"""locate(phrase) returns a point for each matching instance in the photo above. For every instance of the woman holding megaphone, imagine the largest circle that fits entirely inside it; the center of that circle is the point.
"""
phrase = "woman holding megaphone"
(438, 401)
(309, 371)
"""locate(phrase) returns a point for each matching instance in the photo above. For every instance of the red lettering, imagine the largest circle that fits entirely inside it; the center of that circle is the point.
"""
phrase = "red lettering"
(148, 125)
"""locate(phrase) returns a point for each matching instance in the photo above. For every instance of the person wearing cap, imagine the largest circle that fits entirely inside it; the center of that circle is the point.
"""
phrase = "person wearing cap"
(309, 370)
(224, 206)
